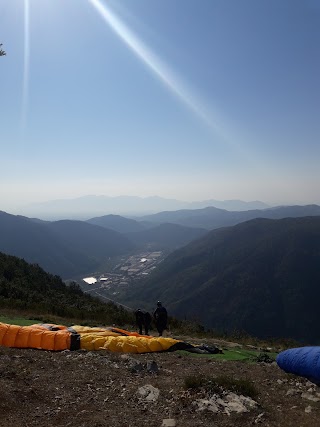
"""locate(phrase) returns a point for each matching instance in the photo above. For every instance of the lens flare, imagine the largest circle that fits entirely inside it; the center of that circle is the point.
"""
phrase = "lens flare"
(171, 81)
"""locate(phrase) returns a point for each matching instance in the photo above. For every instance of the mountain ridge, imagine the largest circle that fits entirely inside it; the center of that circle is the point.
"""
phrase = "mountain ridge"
(255, 276)
(212, 218)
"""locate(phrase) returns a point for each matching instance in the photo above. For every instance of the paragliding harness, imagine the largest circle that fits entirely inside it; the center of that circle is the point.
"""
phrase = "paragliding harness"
(74, 336)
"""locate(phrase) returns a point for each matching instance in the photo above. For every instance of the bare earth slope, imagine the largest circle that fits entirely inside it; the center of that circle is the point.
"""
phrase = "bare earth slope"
(40, 388)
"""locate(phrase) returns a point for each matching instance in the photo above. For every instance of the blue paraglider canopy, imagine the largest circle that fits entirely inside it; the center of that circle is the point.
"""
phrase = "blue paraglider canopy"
(302, 361)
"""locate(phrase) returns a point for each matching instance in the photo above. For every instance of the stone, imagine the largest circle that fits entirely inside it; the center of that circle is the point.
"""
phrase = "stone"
(309, 396)
(292, 392)
(149, 393)
(135, 366)
(152, 367)
(227, 404)
(259, 418)
(168, 422)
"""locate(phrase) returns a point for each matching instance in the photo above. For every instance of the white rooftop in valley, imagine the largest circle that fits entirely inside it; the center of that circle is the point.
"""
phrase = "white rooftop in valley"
(90, 280)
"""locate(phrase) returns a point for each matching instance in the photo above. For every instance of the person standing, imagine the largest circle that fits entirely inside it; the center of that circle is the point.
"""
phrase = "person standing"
(160, 318)
(147, 322)
(143, 320)
(139, 319)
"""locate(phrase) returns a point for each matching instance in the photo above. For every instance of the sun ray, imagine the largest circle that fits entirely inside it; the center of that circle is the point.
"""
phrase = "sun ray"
(26, 67)
(171, 81)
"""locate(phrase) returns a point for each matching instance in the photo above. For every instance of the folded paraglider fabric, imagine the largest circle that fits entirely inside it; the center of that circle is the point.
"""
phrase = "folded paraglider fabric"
(59, 337)
(45, 337)
(302, 361)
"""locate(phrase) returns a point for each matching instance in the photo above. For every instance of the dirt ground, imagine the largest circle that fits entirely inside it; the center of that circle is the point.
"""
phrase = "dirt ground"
(42, 388)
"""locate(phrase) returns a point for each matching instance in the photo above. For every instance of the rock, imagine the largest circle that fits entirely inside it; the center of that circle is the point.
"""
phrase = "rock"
(227, 403)
(259, 418)
(125, 357)
(169, 422)
(292, 392)
(135, 366)
(240, 403)
(309, 384)
(308, 409)
(208, 404)
(152, 367)
(149, 393)
(309, 396)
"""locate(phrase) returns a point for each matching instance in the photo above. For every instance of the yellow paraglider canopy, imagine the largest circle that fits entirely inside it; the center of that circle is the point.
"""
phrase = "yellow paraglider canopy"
(59, 337)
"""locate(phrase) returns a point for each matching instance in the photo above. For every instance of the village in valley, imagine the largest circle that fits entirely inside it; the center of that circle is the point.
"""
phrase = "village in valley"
(120, 277)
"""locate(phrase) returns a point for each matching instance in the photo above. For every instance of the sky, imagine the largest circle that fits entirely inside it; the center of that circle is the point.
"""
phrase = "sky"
(184, 99)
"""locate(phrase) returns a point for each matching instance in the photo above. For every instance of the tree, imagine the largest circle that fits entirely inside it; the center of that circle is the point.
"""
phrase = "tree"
(2, 52)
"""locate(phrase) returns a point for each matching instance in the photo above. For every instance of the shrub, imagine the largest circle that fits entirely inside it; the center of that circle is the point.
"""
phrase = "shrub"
(263, 358)
(239, 386)
(220, 384)
(194, 382)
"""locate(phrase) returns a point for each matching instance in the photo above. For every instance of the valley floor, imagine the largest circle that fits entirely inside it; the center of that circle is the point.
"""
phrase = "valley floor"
(96, 389)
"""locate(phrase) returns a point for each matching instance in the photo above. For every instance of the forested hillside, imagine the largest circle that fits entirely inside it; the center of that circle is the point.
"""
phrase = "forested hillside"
(261, 276)
(67, 248)
(165, 236)
(28, 287)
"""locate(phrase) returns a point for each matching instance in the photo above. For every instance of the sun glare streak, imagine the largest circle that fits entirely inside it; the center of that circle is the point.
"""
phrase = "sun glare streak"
(26, 66)
(173, 83)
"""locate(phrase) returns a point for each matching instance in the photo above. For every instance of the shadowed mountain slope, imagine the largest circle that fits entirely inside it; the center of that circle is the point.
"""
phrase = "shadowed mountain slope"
(66, 248)
(166, 236)
(93, 240)
(261, 276)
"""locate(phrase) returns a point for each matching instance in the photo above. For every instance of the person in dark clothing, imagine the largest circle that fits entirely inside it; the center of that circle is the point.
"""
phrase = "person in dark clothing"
(139, 320)
(160, 318)
(143, 320)
(147, 322)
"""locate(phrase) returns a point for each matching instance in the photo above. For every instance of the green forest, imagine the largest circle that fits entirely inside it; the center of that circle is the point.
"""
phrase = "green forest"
(28, 288)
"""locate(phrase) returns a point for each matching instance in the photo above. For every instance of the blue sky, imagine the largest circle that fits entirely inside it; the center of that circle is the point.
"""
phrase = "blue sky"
(187, 99)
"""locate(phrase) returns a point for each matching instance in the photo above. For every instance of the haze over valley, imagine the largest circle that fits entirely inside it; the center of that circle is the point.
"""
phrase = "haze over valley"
(88, 206)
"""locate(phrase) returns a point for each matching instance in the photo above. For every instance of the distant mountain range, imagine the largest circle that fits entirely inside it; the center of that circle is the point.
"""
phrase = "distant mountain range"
(211, 218)
(93, 206)
(71, 248)
(261, 276)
